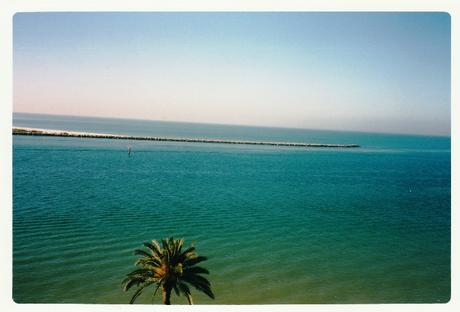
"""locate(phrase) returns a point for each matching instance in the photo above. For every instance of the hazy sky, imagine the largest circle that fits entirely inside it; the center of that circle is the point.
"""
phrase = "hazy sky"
(383, 72)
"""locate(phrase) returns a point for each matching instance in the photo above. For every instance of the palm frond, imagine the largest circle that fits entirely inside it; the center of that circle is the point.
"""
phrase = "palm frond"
(148, 262)
(176, 289)
(140, 252)
(186, 291)
(141, 272)
(157, 247)
(136, 294)
(154, 247)
(165, 242)
(206, 288)
(188, 250)
(187, 254)
(160, 282)
(139, 291)
(197, 279)
(195, 270)
(133, 281)
(192, 261)
(179, 244)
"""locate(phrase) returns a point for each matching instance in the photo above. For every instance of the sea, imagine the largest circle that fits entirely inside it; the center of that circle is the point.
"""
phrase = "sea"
(280, 225)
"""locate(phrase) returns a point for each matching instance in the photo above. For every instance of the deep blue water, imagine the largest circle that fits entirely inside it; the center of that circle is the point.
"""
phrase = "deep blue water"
(279, 224)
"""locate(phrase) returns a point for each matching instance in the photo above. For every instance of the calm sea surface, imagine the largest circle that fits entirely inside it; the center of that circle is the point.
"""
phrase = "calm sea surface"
(279, 224)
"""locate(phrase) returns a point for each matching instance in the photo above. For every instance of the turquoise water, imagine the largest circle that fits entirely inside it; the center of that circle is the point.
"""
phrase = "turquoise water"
(279, 225)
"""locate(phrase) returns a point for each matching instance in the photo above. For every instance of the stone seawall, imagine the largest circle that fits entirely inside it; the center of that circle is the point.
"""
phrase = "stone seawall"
(62, 133)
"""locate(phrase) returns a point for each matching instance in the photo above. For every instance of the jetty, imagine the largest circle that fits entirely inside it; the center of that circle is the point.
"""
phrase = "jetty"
(74, 134)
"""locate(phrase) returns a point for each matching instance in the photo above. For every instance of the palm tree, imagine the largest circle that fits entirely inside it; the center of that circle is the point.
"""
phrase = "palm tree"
(168, 267)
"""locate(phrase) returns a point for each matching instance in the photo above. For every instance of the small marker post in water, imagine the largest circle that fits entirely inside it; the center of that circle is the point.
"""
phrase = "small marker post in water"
(129, 150)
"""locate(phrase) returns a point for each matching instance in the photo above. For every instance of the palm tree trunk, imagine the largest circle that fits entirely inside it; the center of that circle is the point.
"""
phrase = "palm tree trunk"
(166, 295)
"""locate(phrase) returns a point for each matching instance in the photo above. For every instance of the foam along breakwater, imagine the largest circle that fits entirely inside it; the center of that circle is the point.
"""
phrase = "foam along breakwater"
(63, 133)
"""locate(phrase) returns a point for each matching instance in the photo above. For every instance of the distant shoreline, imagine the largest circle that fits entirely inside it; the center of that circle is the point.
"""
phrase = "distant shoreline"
(76, 134)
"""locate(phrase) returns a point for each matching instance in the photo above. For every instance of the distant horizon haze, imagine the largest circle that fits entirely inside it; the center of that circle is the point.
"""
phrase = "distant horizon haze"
(366, 72)
(231, 125)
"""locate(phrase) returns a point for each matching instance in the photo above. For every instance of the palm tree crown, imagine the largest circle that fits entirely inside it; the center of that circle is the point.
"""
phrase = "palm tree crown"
(168, 267)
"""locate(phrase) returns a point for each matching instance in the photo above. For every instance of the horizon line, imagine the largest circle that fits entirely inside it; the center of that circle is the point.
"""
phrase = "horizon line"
(242, 125)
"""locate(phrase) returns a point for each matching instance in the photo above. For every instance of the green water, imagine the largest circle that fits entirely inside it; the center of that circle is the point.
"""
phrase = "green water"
(279, 225)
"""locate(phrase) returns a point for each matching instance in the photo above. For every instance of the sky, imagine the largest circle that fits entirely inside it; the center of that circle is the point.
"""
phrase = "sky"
(375, 72)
